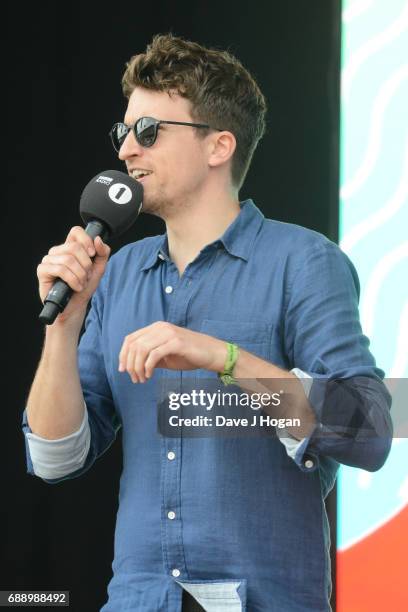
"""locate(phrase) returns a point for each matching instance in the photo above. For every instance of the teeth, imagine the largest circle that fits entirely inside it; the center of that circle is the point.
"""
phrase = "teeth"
(139, 173)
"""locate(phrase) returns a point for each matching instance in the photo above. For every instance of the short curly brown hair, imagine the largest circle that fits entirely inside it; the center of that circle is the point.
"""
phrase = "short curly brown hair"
(221, 91)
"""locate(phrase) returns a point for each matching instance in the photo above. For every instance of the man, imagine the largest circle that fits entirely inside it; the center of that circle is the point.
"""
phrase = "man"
(237, 521)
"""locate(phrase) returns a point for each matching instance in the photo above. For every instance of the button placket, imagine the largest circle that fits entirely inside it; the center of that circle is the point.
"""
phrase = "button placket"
(171, 528)
(177, 299)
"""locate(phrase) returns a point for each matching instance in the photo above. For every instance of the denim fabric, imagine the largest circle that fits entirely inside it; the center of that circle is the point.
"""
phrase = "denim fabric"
(245, 512)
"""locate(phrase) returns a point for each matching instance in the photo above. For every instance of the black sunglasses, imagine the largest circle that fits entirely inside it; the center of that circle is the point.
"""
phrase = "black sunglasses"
(145, 130)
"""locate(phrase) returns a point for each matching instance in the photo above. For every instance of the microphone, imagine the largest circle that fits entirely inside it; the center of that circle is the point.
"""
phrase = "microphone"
(109, 205)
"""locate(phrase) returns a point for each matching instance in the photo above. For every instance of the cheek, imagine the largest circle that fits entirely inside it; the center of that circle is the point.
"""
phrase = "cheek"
(182, 167)
(192, 167)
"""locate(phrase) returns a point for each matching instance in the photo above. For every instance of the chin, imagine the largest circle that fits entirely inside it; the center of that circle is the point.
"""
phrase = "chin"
(153, 206)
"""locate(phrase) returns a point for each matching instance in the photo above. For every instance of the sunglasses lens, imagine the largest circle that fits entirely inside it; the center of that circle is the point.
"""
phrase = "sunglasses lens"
(146, 131)
(118, 135)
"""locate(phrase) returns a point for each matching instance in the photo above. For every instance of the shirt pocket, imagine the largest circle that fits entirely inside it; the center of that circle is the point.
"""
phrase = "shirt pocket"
(252, 336)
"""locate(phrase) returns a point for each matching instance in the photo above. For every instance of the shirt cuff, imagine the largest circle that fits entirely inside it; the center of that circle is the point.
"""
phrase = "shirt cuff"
(295, 448)
(57, 458)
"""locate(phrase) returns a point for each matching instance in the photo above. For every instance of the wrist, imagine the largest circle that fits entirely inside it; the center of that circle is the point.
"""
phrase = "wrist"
(226, 375)
(219, 356)
(70, 325)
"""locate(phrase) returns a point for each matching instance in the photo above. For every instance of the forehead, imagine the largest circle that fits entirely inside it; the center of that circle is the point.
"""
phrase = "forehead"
(157, 104)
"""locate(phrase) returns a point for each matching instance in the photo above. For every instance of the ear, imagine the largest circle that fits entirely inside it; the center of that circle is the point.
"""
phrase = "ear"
(222, 147)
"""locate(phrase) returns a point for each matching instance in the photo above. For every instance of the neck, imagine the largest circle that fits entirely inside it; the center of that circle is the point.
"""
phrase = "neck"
(191, 228)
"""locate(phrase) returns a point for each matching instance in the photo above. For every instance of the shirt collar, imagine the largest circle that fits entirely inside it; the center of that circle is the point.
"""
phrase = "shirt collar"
(157, 252)
(238, 238)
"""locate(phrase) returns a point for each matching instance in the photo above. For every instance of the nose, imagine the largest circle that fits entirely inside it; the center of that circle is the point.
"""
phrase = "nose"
(130, 147)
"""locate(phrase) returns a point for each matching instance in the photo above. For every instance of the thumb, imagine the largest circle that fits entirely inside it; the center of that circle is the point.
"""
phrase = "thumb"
(102, 249)
(101, 255)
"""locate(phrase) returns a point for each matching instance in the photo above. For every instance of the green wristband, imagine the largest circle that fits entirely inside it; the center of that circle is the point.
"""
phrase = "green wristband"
(227, 375)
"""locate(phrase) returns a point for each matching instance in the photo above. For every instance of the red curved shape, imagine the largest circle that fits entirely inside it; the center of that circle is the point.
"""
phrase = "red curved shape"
(372, 575)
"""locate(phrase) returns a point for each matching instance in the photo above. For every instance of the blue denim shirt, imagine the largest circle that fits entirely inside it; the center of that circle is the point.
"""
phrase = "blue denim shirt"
(242, 512)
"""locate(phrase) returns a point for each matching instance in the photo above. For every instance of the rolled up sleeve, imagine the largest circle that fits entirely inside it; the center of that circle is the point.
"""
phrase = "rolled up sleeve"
(324, 339)
(54, 459)
(75, 454)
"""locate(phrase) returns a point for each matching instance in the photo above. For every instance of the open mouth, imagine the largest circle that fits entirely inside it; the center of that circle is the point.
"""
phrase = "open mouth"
(140, 175)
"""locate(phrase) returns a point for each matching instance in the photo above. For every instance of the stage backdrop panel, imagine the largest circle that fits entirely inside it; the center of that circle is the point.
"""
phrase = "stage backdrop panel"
(373, 508)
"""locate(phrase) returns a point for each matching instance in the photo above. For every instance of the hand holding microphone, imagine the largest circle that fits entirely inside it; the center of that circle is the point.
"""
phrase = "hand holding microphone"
(80, 263)
(110, 204)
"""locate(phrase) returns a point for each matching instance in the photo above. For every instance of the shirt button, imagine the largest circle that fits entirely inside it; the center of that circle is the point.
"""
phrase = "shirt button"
(169, 289)
(309, 463)
(161, 256)
(175, 573)
(171, 455)
(171, 515)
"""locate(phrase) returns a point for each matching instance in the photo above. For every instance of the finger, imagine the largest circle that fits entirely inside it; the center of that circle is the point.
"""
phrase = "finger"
(70, 262)
(78, 234)
(76, 250)
(130, 359)
(140, 356)
(134, 358)
(152, 335)
(159, 353)
(102, 249)
(102, 252)
(53, 271)
(144, 347)
(126, 344)
(123, 354)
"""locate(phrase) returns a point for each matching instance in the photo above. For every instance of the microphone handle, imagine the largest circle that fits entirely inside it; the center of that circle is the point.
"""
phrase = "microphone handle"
(60, 294)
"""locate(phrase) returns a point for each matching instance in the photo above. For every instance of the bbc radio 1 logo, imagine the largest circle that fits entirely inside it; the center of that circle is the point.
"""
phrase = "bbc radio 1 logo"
(120, 193)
